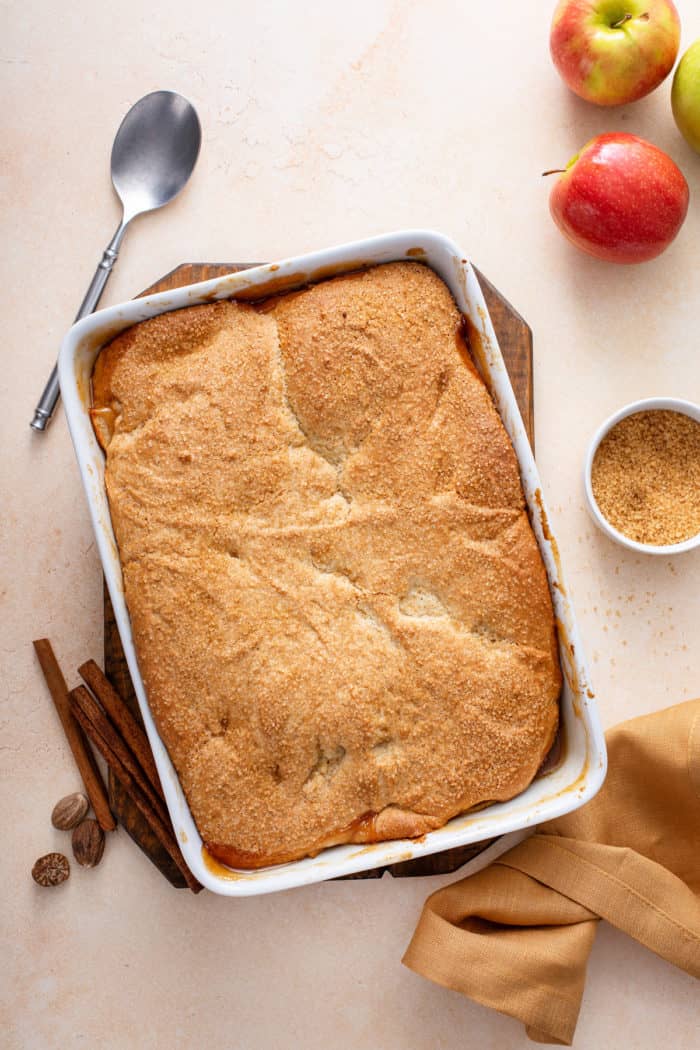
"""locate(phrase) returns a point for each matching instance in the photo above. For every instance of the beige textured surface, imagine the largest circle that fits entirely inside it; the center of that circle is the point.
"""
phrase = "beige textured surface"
(342, 618)
(317, 129)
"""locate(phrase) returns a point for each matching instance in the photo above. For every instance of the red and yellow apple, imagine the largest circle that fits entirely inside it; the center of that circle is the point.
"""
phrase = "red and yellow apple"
(614, 51)
(620, 198)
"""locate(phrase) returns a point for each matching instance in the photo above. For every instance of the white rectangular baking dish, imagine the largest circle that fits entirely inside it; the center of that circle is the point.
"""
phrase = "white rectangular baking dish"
(581, 768)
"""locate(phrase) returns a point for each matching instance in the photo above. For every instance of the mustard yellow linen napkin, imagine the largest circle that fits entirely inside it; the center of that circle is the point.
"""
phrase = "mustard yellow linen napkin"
(517, 935)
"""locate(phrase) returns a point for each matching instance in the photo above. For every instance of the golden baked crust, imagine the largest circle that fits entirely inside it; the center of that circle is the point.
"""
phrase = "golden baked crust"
(340, 611)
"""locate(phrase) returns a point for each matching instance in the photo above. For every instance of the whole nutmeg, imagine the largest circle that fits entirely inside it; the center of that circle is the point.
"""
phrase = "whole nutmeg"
(88, 843)
(51, 870)
(69, 811)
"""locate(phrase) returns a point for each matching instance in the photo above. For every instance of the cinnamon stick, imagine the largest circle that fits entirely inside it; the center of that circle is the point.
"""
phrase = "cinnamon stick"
(84, 758)
(82, 698)
(161, 829)
(133, 734)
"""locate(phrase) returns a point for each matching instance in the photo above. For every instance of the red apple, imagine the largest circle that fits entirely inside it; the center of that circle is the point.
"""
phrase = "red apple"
(614, 51)
(620, 199)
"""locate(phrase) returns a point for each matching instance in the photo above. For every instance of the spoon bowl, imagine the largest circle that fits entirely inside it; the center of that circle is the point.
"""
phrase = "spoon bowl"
(154, 152)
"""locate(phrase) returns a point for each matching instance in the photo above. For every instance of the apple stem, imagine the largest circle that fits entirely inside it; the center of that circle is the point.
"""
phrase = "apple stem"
(625, 18)
(554, 171)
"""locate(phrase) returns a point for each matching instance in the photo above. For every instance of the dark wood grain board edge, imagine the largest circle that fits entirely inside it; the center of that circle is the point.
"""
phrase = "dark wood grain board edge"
(127, 812)
(515, 339)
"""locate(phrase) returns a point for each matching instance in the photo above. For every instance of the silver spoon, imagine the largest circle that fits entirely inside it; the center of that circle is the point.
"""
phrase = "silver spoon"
(153, 155)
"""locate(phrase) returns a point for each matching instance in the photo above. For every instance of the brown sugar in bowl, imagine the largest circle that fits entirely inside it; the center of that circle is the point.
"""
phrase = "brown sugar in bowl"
(642, 476)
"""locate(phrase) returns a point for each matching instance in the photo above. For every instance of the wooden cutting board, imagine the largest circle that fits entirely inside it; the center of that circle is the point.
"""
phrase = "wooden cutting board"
(515, 338)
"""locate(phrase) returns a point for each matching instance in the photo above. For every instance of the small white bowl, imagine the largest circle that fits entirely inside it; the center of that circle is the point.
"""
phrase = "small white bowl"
(670, 404)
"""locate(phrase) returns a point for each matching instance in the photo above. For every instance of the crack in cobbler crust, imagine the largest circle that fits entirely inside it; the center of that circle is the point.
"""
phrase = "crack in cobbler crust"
(340, 611)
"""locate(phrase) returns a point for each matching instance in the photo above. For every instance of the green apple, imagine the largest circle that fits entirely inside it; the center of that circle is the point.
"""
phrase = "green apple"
(685, 96)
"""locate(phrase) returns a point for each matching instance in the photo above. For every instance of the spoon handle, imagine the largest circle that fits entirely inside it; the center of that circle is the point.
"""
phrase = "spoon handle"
(49, 398)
